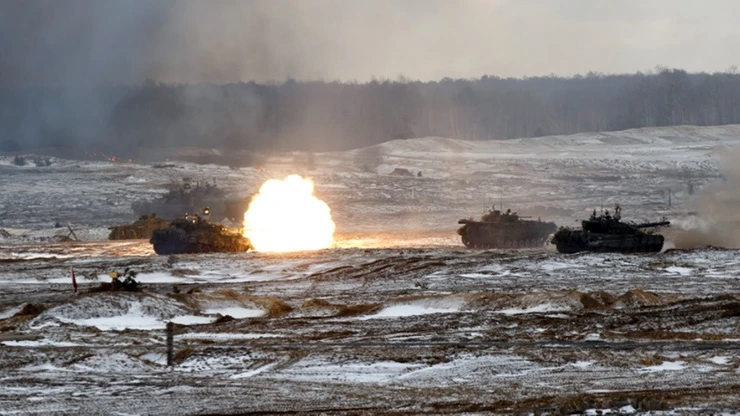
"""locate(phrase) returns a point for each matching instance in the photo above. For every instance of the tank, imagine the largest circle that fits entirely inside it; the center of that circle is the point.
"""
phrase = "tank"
(140, 229)
(189, 197)
(607, 233)
(504, 230)
(193, 234)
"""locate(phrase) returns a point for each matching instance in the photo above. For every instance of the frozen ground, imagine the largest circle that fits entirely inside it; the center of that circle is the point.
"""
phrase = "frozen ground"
(398, 318)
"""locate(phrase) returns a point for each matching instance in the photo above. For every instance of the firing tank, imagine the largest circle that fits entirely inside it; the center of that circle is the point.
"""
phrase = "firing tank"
(504, 230)
(193, 234)
(607, 233)
(189, 197)
(140, 229)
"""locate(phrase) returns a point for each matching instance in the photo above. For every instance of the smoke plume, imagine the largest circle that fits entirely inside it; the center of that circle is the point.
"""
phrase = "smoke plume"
(717, 208)
(59, 42)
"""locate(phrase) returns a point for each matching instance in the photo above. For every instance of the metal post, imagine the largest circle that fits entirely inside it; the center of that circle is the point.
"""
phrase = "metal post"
(170, 337)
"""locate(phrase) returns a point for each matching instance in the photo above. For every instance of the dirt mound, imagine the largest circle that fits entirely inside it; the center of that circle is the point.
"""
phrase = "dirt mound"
(118, 362)
(275, 307)
(323, 307)
(220, 298)
(597, 300)
(109, 305)
(401, 172)
(316, 303)
(541, 302)
(16, 315)
(31, 309)
(318, 307)
(356, 310)
(636, 298)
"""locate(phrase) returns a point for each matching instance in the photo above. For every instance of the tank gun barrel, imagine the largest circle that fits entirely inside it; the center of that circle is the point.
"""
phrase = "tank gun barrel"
(653, 224)
(464, 221)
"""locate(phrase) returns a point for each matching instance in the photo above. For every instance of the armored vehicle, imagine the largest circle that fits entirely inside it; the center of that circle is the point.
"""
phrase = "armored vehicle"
(607, 233)
(504, 230)
(189, 197)
(194, 234)
(140, 229)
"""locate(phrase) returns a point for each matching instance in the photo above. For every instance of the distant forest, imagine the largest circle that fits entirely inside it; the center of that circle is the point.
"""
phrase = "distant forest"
(323, 116)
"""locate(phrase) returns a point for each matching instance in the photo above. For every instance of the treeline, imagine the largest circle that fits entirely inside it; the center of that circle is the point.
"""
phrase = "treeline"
(323, 116)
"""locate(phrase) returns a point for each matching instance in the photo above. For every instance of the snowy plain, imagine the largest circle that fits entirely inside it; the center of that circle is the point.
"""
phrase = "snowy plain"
(398, 317)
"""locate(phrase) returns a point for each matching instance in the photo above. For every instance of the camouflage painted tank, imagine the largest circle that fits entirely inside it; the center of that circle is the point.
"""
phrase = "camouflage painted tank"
(194, 234)
(607, 233)
(140, 229)
(504, 230)
(188, 197)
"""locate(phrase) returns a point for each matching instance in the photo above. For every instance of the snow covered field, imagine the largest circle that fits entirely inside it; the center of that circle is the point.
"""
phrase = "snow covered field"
(398, 318)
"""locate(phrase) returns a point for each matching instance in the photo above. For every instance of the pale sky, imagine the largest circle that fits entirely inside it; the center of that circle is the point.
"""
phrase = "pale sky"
(127, 41)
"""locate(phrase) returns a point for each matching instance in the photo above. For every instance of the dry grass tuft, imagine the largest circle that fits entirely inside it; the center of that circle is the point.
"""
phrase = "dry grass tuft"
(639, 297)
(355, 310)
(316, 303)
(275, 307)
(183, 354)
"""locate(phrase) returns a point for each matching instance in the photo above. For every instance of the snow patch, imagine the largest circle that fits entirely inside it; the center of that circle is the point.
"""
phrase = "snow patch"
(12, 311)
(43, 367)
(119, 311)
(253, 372)
(582, 364)
(477, 275)
(40, 343)
(720, 360)
(225, 336)
(545, 307)
(155, 358)
(552, 266)
(236, 312)
(192, 320)
(627, 410)
(133, 318)
(409, 310)
(683, 271)
(665, 366)
(422, 307)
(107, 362)
(352, 372)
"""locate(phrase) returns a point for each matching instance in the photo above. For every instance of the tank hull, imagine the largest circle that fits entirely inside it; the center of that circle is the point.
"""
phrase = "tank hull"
(520, 234)
(181, 247)
(574, 241)
(197, 236)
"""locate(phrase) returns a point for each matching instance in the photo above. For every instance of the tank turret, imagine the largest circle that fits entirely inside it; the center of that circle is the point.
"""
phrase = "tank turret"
(504, 230)
(140, 229)
(193, 234)
(607, 233)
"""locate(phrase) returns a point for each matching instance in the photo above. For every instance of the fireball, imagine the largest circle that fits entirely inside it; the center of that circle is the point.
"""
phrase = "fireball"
(286, 216)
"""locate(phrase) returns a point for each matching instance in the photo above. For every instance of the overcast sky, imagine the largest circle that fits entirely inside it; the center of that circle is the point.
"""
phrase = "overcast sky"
(126, 41)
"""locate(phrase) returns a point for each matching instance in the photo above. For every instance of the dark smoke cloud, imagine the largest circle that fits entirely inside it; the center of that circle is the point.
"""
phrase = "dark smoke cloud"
(94, 42)
(127, 41)
(79, 45)
(77, 42)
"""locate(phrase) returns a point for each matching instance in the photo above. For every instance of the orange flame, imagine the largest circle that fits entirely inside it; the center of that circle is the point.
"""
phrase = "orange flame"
(286, 216)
